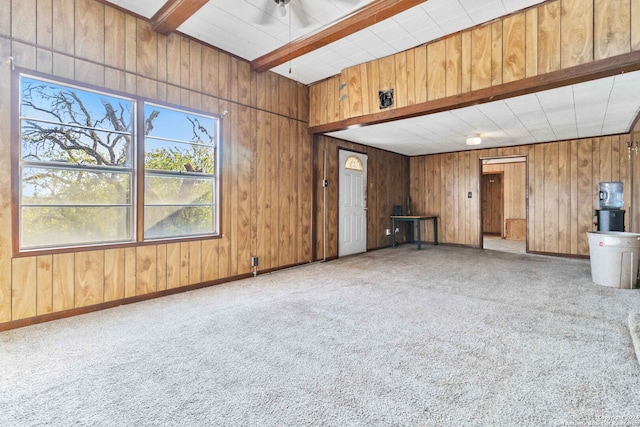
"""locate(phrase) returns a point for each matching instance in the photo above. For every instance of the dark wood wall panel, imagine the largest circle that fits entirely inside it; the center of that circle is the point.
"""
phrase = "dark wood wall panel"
(266, 156)
(387, 185)
(562, 181)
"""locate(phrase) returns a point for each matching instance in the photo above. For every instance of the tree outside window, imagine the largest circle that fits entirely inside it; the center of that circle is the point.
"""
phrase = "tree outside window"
(77, 168)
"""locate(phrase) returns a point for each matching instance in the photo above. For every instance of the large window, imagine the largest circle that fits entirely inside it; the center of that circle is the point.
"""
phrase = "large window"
(78, 174)
(179, 161)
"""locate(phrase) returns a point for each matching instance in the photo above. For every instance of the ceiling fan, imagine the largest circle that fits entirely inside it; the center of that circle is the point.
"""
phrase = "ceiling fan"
(271, 6)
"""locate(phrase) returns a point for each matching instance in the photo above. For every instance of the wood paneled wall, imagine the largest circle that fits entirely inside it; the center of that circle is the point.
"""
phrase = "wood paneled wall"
(387, 185)
(514, 181)
(266, 202)
(554, 35)
(562, 190)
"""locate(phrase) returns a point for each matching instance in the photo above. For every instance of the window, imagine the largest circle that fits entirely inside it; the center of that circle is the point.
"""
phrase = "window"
(180, 167)
(78, 175)
(76, 166)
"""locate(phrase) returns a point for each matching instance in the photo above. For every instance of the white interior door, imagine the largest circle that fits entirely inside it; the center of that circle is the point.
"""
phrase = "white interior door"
(353, 203)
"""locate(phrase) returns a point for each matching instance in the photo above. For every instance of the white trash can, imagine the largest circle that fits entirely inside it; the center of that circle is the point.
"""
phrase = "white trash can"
(614, 258)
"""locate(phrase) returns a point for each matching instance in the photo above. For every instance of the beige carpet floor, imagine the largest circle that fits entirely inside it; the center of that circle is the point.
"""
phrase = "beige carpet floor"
(397, 337)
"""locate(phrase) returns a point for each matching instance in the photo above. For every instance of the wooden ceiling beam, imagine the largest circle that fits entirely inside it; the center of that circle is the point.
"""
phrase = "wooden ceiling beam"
(370, 14)
(173, 13)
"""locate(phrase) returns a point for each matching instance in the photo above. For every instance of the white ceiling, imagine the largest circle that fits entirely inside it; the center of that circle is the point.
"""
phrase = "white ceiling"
(252, 28)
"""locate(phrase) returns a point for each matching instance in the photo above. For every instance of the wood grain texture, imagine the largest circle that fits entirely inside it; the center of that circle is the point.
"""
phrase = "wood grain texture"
(635, 24)
(89, 30)
(63, 281)
(24, 288)
(146, 273)
(89, 278)
(5, 185)
(114, 33)
(576, 35)
(420, 62)
(401, 95)
(44, 278)
(496, 53)
(436, 70)
(514, 39)
(531, 42)
(23, 20)
(481, 57)
(454, 64)
(612, 28)
(114, 273)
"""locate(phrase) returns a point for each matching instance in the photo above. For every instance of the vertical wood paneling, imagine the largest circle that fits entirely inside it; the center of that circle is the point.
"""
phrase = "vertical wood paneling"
(63, 30)
(585, 194)
(130, 272)
(24, 289)
(173, 265)
(481, 57)
(436, 70)
(245, 162)
(576, 35)
(114, 33)
(195, 262)
(420, 73)
(564, 197)
(145, 270)
(454, 65)
(531, 42)
(514, 39)
(353, 107)
(410, 77)
(612, 28)
(89, 278)
(5, 18)
(147, 51)
(400, 88)
(23, 20)
(89, 31)
(386, 74)
(635, 24)
(184, 264)
(114, 274)
(549, 37)
(466, 61)
(63, 281)
(44, 279)
(161, 267)
(44, 30)
(496, 53)
(5, 180)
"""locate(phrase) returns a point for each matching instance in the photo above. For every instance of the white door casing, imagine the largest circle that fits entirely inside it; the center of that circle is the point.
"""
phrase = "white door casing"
(352, 209)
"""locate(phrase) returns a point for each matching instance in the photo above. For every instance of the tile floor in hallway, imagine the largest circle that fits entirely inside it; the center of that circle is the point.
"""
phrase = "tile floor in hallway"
(497, 243)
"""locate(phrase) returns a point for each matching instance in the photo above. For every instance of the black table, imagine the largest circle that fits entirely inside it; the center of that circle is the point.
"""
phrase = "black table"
(416, 219)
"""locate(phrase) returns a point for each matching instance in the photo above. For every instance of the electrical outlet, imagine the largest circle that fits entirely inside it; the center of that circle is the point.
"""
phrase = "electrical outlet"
(387, 232)
(469, 195)
(397, 230)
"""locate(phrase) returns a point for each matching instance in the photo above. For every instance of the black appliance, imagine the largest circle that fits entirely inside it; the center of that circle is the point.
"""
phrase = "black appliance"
(610, 219)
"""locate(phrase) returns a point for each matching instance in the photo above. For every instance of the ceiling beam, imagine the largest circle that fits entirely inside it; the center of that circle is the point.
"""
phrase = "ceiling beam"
(619, 64)
(370, 14)
(173, 13)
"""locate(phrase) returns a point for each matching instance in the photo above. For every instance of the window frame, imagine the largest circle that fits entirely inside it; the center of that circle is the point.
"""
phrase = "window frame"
(137, 169)
(143, 171)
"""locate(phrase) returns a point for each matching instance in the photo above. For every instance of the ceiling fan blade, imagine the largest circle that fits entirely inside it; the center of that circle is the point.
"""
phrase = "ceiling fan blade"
(300, 13)
(268, 9)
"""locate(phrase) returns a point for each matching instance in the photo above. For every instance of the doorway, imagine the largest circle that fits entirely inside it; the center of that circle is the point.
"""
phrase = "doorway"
(352, 205)
(503, 196)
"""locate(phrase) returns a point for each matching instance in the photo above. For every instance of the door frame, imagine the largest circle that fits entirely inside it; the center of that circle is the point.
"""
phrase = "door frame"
(337, 200)
(504, 159)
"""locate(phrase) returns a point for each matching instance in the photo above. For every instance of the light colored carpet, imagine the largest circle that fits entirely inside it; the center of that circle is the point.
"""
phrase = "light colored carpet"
(397, 337)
